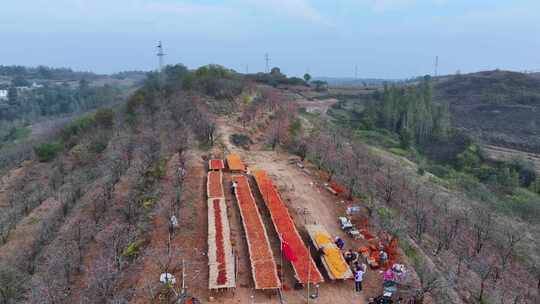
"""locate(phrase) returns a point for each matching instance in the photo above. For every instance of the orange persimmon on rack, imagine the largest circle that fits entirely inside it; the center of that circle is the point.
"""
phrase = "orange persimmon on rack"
(216, 164)
(214, 185)
(304, 266)
(263, 265)
(235, 163)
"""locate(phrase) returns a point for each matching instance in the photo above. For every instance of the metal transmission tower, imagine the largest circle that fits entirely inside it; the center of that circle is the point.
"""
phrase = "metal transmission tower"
(356, 72)
(160, 55)
(436, 66)
(267, 59)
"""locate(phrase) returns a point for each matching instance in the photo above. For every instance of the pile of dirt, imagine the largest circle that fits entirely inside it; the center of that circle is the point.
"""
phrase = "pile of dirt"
(241, 140)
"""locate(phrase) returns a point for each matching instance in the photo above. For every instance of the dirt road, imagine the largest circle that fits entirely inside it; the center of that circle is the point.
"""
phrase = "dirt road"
(308, 203)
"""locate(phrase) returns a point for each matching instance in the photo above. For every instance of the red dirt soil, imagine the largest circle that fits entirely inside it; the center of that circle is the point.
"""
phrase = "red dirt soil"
(305, 268)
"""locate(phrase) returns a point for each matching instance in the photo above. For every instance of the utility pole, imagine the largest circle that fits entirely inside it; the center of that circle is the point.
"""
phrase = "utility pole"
(267, 60)
(436, 66)
(247, 69)
(160, 55)
(356, 72)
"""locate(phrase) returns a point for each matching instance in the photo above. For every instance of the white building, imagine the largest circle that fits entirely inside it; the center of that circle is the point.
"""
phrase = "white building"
(36, 85)
(3, 94)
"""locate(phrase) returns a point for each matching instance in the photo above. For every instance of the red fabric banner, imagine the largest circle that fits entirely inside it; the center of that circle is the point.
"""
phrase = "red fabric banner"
(287, 251)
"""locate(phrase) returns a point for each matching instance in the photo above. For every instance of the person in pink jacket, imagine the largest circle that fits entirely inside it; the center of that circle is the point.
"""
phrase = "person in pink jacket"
(389, 275)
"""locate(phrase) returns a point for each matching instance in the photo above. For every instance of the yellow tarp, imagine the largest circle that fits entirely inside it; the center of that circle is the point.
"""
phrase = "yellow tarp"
(332, 254)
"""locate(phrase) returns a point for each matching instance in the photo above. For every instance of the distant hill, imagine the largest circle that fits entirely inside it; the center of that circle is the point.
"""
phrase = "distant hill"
(498, 107)
(349, 81)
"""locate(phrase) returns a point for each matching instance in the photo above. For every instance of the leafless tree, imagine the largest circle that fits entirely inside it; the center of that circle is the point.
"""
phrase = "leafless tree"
(389, 186)
(430, 281)
(420, 203)
(482, 225)
(446, 226)
(463, 253)
(485, 268)
(11, 284)
(506, 241)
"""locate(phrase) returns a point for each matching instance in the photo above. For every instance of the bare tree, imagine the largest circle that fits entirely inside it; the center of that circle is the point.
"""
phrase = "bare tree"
(389, 184)
(506, 241)
(446, 226)
(420, 211)
(482, 225)
(485, 268)
(430, 281)
(11, 284)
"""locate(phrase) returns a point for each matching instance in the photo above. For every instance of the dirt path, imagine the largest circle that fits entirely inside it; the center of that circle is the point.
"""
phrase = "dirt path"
(320, 106)
(506, 154)
(308, 203)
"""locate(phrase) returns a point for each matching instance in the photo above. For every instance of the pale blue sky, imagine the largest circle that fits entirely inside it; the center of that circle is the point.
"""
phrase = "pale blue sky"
(385, 38)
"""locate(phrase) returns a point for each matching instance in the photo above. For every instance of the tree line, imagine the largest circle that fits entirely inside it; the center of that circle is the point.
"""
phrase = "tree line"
(411, 113)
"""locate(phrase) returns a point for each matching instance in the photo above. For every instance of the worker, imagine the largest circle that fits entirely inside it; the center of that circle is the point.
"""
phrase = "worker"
(348, 256)
(358, 278)
(388, 275)
(340, 243)
(354, 257)
(383, 257)
(384, 299)
(233, 187)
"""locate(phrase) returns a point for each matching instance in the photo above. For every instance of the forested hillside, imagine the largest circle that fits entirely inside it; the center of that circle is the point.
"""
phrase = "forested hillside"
(41, 100)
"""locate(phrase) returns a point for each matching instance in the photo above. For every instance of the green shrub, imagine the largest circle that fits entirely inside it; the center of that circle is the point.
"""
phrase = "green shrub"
(132, 249)
(525, 204)
(104, 117)
(439, 170)
(399, 151)
(98, 145)
(48, 151)
(72, 130)
(241, 140)
(379, 137)
(17, 133)
(149, 202)
(158, 170)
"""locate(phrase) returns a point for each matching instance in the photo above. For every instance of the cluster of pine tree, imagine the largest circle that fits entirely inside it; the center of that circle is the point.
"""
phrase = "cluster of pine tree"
(411, 113)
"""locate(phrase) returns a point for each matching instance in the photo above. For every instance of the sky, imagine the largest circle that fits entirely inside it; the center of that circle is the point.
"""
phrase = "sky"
(383, 38)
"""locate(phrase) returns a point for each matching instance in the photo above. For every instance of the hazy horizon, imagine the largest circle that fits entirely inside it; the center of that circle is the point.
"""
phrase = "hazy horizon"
(384, 38)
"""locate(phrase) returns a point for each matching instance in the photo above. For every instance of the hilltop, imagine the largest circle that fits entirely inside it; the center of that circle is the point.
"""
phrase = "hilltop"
(499, 108)
(87, 217)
